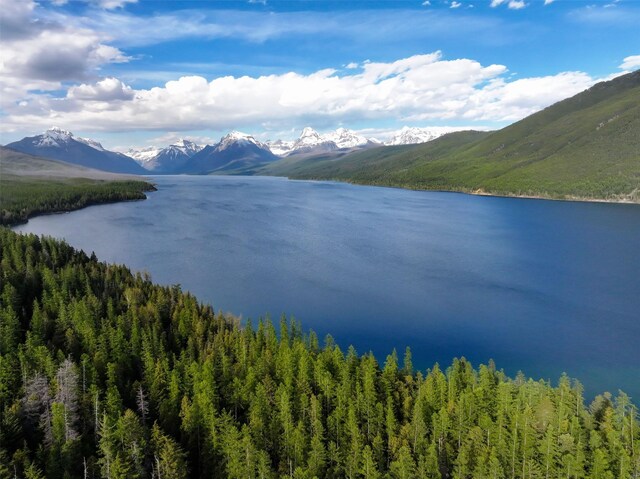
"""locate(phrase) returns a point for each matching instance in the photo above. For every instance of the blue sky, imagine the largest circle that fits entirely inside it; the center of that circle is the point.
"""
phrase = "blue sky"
(147, 72)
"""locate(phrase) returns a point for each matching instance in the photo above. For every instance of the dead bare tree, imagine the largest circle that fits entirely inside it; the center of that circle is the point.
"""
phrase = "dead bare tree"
(36, 405)
(67, 395)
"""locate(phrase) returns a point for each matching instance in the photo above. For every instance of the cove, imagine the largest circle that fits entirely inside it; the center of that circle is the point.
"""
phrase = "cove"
(545, 287)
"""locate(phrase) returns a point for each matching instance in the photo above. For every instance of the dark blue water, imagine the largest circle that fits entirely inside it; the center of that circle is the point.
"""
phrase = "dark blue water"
(540, 286)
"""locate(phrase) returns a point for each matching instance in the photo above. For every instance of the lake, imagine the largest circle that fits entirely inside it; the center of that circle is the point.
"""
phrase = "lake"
(544, 287)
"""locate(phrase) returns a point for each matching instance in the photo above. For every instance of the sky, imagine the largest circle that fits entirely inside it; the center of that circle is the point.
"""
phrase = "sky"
(140, 73)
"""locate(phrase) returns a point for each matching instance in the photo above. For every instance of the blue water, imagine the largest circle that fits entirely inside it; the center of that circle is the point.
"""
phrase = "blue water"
(539, 286)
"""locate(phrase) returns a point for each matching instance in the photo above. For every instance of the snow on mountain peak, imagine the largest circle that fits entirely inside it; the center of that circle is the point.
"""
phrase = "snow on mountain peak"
(344, 138)
(55, 132)
(310, 140)
(238, 137)
(309, 132)
(280, 147)
(53, 137)
(308, 137)
(183, 143)
(187, 147)
(413, 135)
(92, 143)
(143, 155)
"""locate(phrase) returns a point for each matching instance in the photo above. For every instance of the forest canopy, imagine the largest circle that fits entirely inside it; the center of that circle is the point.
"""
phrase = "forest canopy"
(104, 374)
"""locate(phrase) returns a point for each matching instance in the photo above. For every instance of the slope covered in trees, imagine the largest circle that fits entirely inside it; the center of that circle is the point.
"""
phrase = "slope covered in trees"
(104, 374)
(30, 185)
(587, 146)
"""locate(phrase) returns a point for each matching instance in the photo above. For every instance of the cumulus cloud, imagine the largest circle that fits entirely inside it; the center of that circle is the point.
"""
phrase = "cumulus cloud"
(631, 63)
(41, 53)
(455, 4)
(59, 55)
(15, 21)
(548, 2)
(109, 89)
(512, 100)
(418, 88)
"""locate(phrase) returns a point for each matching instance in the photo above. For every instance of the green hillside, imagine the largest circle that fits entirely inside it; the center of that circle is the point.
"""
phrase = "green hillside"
(30, 185)
(587, 146)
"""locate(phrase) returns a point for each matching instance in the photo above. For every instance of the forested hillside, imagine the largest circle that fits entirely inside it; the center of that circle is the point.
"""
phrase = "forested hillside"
(105, 375)
(31, 185)
(587, 146)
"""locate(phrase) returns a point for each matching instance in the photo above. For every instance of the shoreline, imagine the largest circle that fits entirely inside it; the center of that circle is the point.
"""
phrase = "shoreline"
(36, 214)
(481, 192)
(135, 195)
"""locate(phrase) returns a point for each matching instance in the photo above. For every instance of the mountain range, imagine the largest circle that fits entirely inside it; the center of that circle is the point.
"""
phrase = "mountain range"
(58, 144)
(170, 159)
(310, 141)
(235, 153)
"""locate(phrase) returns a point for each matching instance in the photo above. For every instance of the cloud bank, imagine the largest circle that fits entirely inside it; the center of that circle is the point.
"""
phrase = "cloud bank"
(418, 88)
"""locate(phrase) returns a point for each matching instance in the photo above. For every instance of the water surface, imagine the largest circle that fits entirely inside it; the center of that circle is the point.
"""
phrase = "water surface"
(540, 286)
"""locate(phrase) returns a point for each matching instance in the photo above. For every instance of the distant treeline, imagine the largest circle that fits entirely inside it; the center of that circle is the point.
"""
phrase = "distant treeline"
(22, 197)
(105, 375)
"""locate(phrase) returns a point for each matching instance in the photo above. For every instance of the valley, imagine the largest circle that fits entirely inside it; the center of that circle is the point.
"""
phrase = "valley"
(582, 148)
(284, 239)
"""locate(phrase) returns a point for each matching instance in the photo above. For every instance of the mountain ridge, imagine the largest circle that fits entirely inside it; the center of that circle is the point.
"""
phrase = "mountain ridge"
(58, 144)
(583, 147)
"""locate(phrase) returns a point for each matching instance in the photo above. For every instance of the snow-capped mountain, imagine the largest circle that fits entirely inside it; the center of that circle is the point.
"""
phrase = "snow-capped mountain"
(413, 135)
(280, 147)
(170, 159)
(59, 144)
(310, 141)
(237, 138)
(344, 138)
(143, 155)
(236, 152)
(92, 143)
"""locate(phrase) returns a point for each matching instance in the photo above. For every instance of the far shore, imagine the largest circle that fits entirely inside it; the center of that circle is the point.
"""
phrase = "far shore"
(481, 192)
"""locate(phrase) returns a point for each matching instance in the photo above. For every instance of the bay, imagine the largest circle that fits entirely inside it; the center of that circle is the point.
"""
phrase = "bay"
(545, 287)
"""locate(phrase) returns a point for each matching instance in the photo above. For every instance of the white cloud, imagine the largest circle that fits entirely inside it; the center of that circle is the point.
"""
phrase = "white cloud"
(512, 100)
(111, 4)
(359, 27)
(512, 4)
(455, 4)
(109, 89)
(40, 54)
(418, 88)
(106, 4)
(548, 2)
(631, 63)
(352, 66)
(426, 3)
(517, 4)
